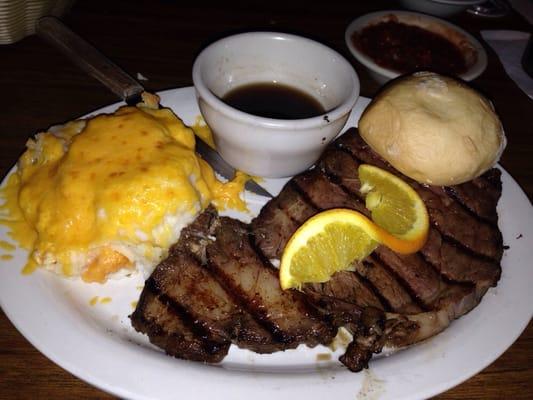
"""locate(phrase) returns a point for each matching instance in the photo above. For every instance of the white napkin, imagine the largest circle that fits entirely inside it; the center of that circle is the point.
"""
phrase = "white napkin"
(510, 46)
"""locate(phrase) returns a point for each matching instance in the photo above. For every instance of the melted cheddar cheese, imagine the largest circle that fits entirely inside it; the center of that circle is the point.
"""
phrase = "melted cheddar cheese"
(102, 194)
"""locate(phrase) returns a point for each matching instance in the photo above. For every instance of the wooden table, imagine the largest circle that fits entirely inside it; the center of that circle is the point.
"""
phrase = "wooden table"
(160, 39)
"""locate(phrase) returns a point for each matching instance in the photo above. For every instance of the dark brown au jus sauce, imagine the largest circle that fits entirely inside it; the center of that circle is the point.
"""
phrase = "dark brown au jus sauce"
(273, 100)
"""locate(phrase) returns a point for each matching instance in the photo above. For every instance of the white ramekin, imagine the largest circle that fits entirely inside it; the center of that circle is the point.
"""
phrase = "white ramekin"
(268, 147)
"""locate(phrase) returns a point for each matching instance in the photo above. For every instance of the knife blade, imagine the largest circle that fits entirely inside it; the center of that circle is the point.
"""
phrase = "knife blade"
(92, 61)
(224, 169)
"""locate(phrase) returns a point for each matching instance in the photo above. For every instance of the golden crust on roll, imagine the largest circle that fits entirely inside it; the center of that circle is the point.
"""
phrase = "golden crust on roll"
(434, 129)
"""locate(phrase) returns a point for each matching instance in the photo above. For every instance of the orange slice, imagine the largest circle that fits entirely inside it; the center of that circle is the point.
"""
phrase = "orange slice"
(395, 207)
(333, 240)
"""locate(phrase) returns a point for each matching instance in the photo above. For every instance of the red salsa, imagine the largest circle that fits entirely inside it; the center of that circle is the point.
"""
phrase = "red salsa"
(408, 48)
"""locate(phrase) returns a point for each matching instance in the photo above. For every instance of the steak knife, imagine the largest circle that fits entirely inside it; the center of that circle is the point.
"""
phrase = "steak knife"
(92, 61)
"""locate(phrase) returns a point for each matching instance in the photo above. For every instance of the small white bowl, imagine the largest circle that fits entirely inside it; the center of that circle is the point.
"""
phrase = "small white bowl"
(267, 147)
(473, 50)
(440, 8)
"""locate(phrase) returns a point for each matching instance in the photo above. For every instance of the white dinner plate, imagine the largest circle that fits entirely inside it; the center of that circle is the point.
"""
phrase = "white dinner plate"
(97, 344)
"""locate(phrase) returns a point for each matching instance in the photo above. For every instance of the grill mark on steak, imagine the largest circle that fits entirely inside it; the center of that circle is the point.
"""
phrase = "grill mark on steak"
(394, 294)
(341, 168)
(467, 250)
(284, 214)
(468, 194)
(456, 265)
(336, 311)
(253, 336)
(348, 287)
(322, 194)
(415, 276)
(256, 285)
(447, 215)
(167, 329)
(370, 285)
(479, 209)
(461, 227)
(187, 285)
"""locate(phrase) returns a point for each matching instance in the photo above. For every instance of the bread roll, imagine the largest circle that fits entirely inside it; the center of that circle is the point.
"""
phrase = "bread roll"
(434, 129)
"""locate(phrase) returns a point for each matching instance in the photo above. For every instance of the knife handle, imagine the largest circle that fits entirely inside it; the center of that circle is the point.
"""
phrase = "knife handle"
(88, 58)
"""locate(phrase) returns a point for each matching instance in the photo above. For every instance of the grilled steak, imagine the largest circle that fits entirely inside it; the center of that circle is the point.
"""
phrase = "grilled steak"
(218, 286)
(181, 285)
(221, 292)
(167, 328)
(421, 293)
